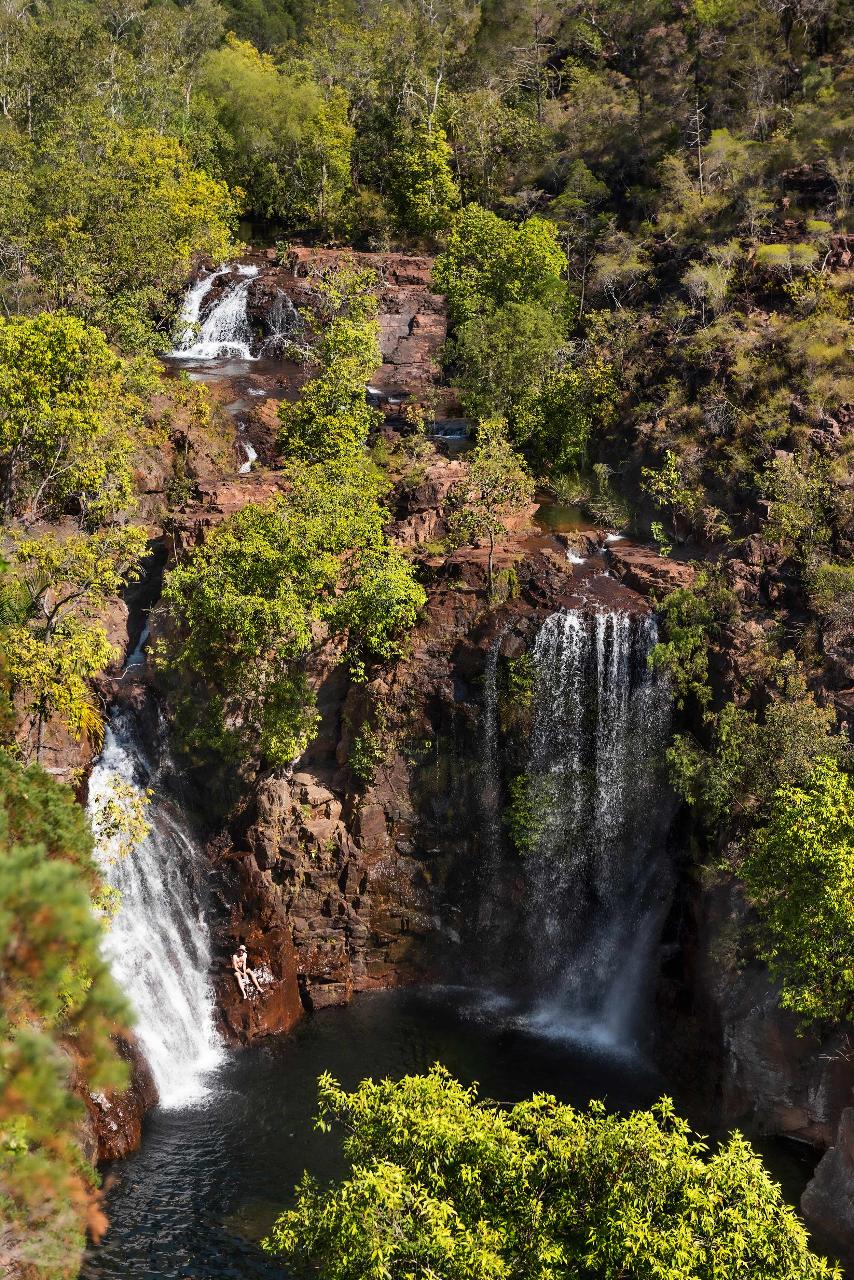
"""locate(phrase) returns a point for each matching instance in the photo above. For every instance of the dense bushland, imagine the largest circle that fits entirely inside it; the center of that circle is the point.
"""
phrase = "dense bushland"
(58, 1006)
(641, 215)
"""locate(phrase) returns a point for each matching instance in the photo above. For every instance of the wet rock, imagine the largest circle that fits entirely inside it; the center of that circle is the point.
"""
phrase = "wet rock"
(828, 1201)
(327, 995)
(113, 1126)
(370, 826)
(412, 317)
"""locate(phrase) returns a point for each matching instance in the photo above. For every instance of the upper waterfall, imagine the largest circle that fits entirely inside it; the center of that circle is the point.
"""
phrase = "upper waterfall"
(158, 944)
(598, 879)
(225, 329)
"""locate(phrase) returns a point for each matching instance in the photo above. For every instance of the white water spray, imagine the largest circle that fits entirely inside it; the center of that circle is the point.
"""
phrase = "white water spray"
(225, 329)
(251, 456)
(598, 879)
(158, 945)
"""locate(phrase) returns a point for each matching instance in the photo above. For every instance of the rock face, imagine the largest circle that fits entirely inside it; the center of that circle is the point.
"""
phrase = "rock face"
(645, 570)
(742, 1060)
(828, 1202)
(248, 909)
(413, 319)
(367, 852)
(114, 1120)
(419, 512)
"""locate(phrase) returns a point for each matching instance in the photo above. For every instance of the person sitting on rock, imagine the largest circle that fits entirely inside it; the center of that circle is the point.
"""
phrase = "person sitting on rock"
(243, 973)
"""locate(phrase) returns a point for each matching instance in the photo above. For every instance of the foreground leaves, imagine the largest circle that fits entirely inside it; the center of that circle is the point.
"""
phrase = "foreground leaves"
(442, 1184)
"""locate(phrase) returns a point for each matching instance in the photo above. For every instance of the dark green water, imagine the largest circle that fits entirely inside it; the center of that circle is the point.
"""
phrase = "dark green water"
(558, 517)
(209, 1180)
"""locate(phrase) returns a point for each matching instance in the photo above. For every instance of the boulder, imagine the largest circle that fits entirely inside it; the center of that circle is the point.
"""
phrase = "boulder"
(645, 570)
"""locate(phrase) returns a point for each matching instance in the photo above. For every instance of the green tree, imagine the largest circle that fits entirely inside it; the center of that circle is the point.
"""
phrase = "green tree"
(831, 591)
(554, 421)
(673, 491)
(800, 496)
(112, 218)
(241, 612)
(58, 1006)
(691, 620)
(500, 356)
(489, 262)
(330, 419)
(67, 420)
(798, 872)
(497, 486)
(579, 217)
(52, 640)
(440, 1183)
(279, 136)
(423, 189)
(751, 755)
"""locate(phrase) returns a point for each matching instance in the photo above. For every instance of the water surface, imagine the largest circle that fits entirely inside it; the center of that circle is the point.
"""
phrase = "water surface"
(208, 1181)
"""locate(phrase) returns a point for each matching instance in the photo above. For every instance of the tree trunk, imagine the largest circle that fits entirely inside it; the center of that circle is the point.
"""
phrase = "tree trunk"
(489, 561)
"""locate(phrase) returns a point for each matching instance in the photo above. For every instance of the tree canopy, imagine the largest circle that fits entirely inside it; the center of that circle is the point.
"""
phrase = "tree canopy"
(241, 610)
(488, 263)
(58, 1007)
(105, 218)
(68, 416)
(442, 1183)
(798, 871)
(330, 419)
(497, 487)
(53, 641)
(280, 138)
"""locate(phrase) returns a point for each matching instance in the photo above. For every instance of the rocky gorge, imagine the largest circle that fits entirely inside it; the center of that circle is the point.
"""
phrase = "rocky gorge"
(375, 860)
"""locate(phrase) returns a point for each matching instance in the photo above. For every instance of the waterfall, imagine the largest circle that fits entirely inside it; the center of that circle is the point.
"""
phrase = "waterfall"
(158, 945)
(489, 783)
(597, 878)
(287, 329)
(251, 456)
(225, 330)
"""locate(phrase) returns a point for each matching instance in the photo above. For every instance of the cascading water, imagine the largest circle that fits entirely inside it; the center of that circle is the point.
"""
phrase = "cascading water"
(598, 880)
(158, 944)
(251, 456)
(287, 330)
(225, 329)
(489, 780)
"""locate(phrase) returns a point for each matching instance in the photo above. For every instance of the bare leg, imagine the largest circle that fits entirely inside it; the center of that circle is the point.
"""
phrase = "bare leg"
(254, 979)
(241, 982)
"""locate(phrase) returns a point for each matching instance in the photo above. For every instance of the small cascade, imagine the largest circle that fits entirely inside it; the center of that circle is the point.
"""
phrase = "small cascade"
(287, 330)
(158, 945)
(225, 329)
(251, 456)
(598, 880)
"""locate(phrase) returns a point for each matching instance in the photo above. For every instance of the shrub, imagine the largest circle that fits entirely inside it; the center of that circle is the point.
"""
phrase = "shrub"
(831, 591)
(798, 871)
(441, 1183)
